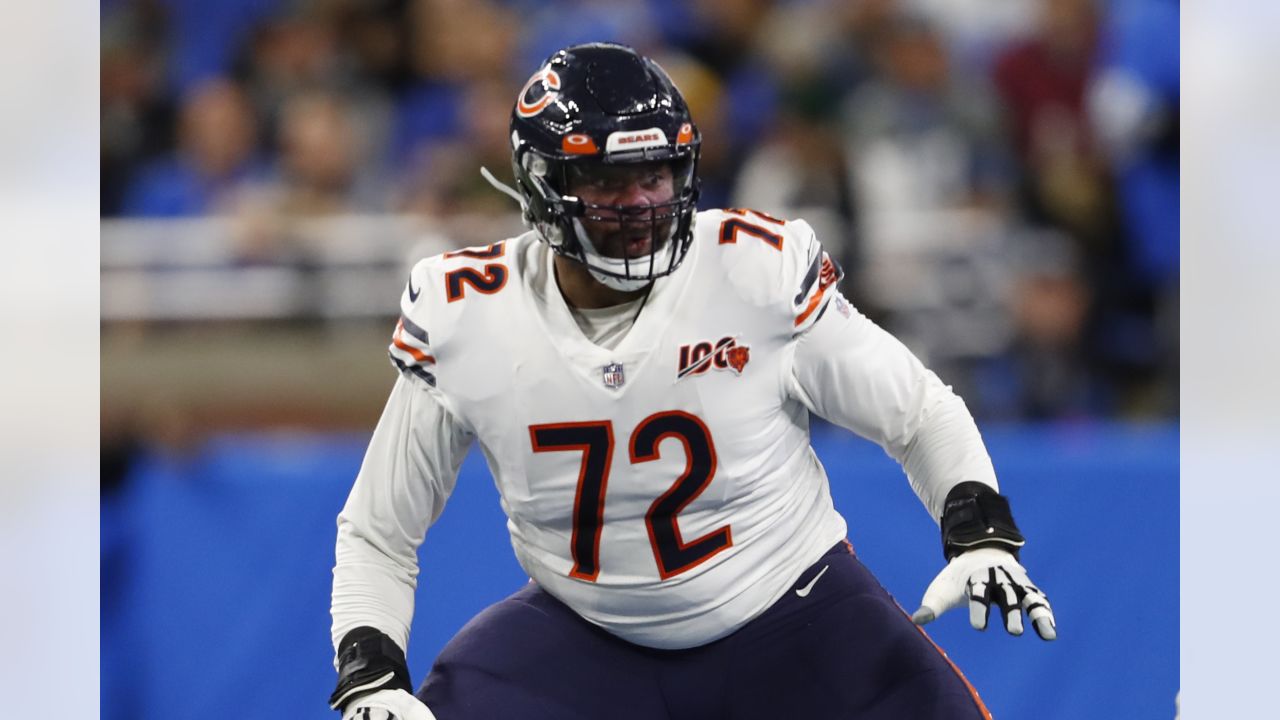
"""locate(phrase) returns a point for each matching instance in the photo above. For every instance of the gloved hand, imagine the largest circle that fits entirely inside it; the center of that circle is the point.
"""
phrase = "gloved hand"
(988, 576)
(387, 705)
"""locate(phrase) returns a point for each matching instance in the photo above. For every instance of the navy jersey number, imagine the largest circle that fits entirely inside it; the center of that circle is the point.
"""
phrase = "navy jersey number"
(731, 227)
(673, 554)
(487, 281)
(595, 441)
(490, 281)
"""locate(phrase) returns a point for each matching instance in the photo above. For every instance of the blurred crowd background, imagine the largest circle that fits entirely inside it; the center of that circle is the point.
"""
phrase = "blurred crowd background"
(999, 178)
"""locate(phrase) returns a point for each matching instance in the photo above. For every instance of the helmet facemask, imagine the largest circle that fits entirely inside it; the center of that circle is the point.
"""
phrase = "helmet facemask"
(624, 247)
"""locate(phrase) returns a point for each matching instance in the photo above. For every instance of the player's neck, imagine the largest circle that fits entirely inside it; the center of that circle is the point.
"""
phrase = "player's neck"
(580, 290)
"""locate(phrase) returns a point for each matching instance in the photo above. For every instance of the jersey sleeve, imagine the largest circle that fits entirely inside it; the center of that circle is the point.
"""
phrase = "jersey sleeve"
(408, 473)
(855, 374)
(435, 319)
(410, 349)
(817, 282)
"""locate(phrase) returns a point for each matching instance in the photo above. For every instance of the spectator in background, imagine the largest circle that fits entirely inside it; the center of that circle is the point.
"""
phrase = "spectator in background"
(861, 25)
(1045, 372)
(217, 136)
(302, 53)
(546, 26)
(705, 93)
(1067, 184)
(287, 54)
(920, 137)
(448, 116)
(1050, 304)
(204, 36)
(1134, 105)
(1042, 81)
(975, 30)
(136, 114)
(798, 170)
(321, 152)
(819, 54)
(374, 38)
(727, 37)
(452, 45)
(292, 49)
(444, 179)
(317, 174)
(725, 31)
(930, 178)
(874, 126)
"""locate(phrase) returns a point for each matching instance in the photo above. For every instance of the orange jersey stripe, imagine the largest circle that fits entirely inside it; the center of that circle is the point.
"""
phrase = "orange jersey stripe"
(814, 301)
(415, 352)
(828, 277)
(813, 305)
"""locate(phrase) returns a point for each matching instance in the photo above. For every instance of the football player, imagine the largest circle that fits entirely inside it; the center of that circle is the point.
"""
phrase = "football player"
(639, 377)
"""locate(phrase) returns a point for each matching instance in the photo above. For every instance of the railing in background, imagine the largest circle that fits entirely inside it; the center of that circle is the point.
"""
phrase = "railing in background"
(238, 268)
(219, 323)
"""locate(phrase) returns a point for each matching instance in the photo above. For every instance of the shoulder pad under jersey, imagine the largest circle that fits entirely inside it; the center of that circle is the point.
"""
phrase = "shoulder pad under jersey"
(774, 263)
(431, 304)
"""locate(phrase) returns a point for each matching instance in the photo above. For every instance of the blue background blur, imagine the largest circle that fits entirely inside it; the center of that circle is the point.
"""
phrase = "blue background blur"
(216, 568)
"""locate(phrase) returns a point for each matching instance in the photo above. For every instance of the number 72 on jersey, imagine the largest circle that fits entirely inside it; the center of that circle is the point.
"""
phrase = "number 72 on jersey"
(595, 440)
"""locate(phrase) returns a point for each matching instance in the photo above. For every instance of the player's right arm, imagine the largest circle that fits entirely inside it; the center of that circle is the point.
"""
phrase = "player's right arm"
(408, 473)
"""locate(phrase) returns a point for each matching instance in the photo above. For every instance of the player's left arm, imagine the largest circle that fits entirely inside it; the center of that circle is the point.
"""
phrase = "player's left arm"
(850, 371)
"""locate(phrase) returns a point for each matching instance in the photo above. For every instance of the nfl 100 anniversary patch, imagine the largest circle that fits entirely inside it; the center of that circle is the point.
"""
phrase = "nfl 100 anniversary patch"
(724, 354)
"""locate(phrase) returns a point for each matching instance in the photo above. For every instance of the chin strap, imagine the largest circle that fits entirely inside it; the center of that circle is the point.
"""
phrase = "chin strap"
(502, 187)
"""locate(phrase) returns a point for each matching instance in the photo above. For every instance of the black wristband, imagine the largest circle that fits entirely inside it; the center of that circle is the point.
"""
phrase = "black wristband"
(975, 516)
(368, 661)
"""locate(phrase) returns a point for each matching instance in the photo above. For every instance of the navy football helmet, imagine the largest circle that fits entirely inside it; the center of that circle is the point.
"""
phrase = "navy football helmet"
(604, 104)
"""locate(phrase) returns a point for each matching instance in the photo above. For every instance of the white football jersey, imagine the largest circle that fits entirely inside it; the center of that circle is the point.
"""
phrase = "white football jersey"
(664, 489)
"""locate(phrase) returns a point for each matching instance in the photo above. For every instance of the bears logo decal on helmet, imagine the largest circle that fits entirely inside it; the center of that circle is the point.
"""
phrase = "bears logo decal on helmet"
(531, 102)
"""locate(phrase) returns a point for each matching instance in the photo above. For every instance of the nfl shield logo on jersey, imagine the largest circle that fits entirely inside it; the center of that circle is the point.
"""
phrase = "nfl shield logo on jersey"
(613, 377)
(842, 306)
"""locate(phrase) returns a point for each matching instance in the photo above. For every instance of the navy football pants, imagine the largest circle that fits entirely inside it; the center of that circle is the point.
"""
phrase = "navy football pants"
(845, 651)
